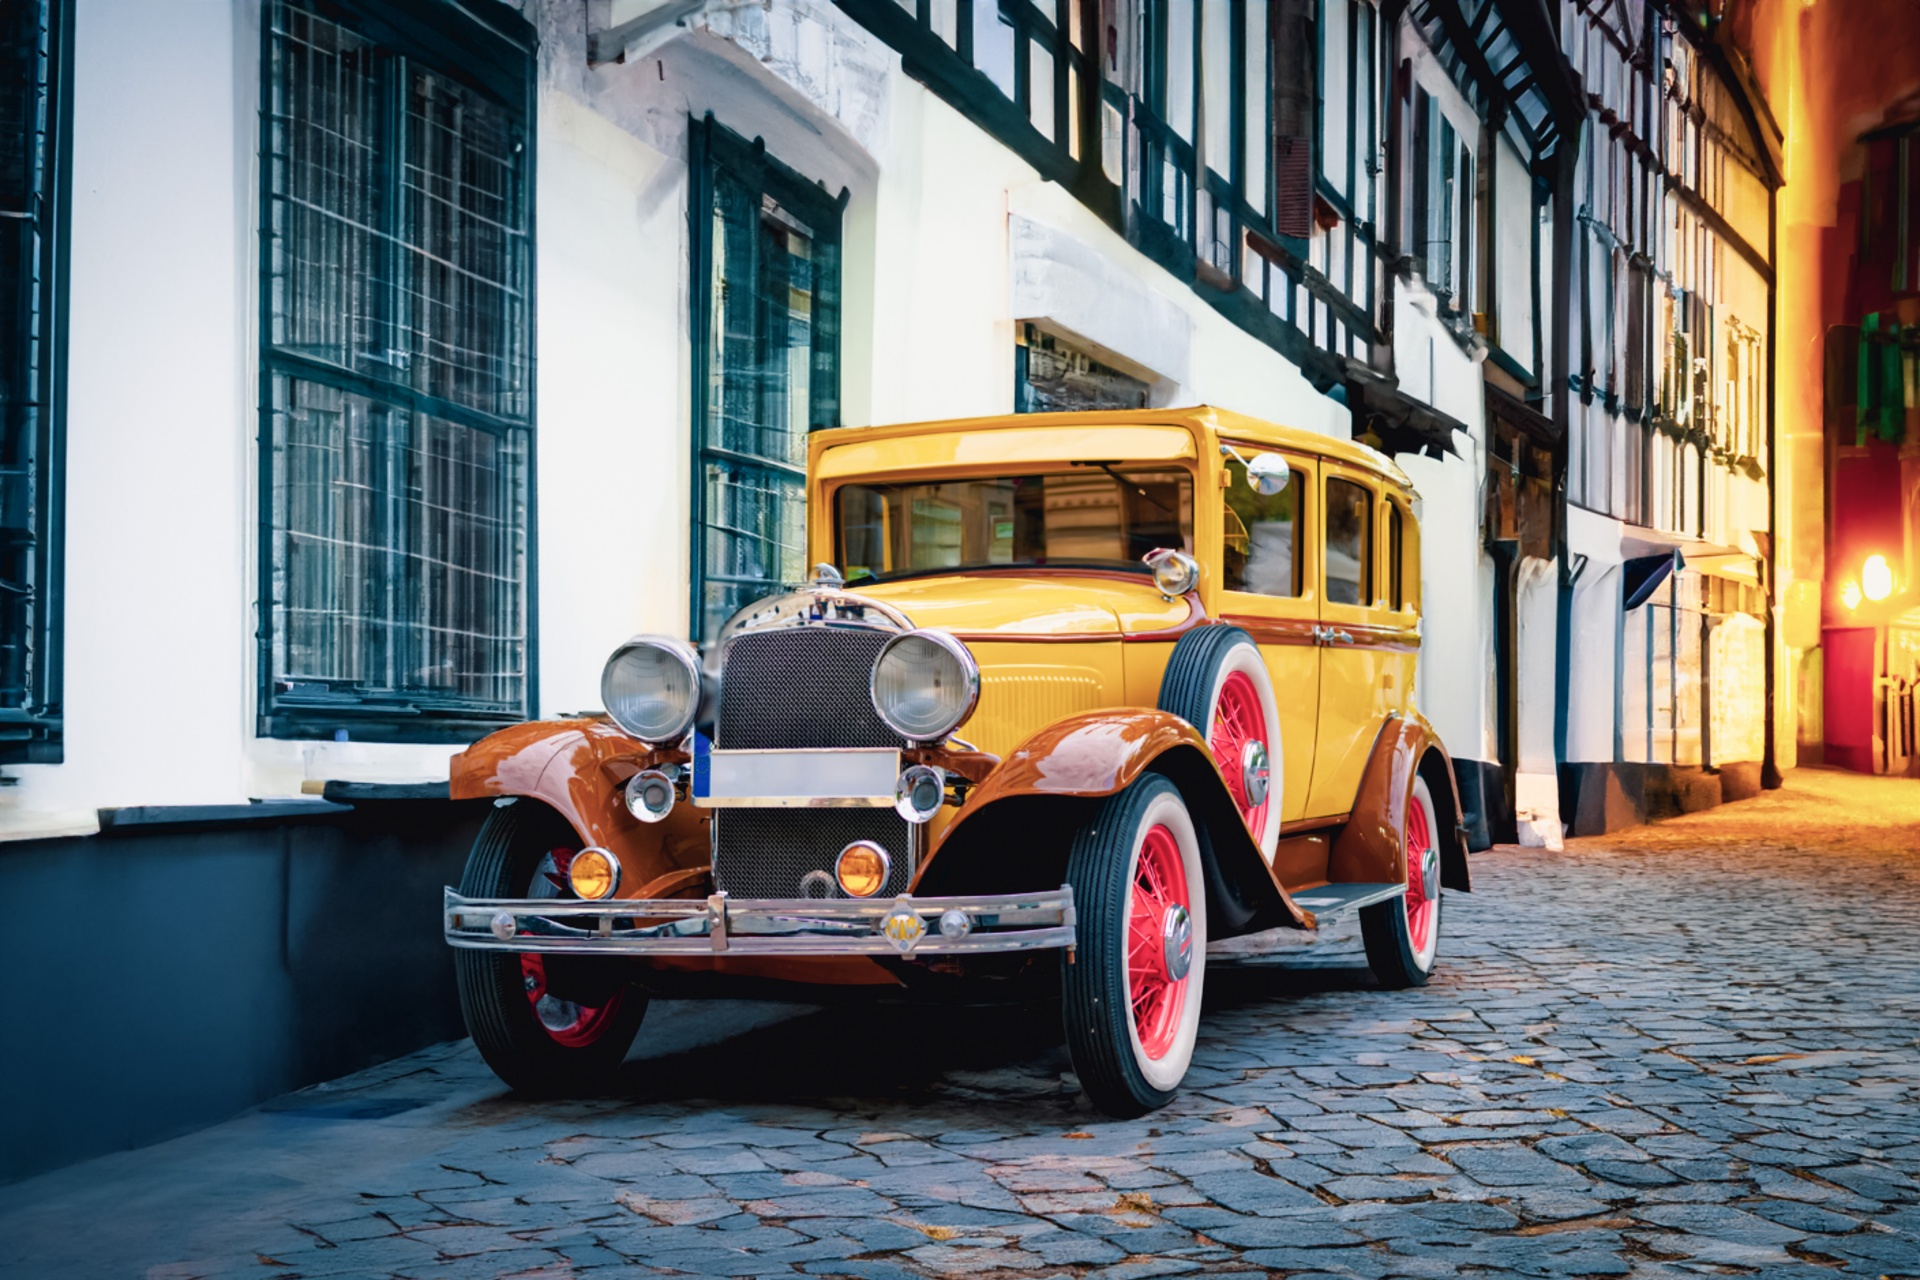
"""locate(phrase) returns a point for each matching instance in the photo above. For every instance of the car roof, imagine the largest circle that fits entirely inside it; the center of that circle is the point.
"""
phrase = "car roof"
(1206, 422)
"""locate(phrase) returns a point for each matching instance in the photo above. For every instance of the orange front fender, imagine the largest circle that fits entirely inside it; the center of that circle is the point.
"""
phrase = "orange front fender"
(1017, 825)
(580, 767)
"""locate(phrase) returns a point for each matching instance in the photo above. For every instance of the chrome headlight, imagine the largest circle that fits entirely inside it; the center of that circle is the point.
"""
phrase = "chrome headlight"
(651, 688)
(925, 685)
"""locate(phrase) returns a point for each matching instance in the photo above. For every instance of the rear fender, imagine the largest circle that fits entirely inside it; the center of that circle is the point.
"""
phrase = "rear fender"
(1369, 849)
(579, 768)
(1016, 827)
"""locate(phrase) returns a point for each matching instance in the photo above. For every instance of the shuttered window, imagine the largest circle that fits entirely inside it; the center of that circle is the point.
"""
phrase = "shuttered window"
(396, 375)
(35, 128)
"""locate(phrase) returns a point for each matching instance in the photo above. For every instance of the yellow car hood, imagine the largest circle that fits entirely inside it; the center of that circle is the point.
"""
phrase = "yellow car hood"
(1012, 605)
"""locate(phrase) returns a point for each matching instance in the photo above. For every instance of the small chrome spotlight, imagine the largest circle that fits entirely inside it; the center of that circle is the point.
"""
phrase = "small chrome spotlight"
(650, 795)
(955, 924)
(504, 927)
(919, 793)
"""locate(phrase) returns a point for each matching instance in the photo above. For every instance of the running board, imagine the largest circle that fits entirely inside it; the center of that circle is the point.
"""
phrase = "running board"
(1331, 901)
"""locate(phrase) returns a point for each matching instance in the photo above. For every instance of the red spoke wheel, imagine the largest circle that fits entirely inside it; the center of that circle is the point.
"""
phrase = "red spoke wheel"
(1402, 936)
(1131, 996)
(547, 1025)
(1216, 680)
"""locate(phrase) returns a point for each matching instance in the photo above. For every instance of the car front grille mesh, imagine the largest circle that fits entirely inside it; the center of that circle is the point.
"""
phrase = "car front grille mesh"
(801, 687)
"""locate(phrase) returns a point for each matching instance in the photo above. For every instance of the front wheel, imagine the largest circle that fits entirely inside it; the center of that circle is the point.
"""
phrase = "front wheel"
(1402, 936)
(1131, 991)
(547, 1025)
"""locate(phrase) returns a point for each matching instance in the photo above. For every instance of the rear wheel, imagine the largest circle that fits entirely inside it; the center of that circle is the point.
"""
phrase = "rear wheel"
(1402, 936)
(1131, 995)
(1217, 682)
(545, 1024)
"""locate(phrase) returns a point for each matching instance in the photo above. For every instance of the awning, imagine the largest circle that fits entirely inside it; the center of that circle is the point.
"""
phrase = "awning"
(1641, 576)
(1703, 557)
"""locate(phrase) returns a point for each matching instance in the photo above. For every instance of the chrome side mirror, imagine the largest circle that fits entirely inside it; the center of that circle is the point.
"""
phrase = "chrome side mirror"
(1268, 473)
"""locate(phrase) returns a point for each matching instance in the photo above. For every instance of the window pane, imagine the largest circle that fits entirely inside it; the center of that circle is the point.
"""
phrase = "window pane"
(1093, 514)
(1349, 544)
(1216, 65)
(993, 45)
(1179, 71)
(1262, 548)
(401, 254)
(1335, 148)
(1040, 88)
(398, 554)
(1258, 97)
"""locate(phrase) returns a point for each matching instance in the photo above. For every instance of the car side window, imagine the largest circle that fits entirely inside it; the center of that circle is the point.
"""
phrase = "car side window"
(1263, 547)
(1396, 559)
(1349, 543)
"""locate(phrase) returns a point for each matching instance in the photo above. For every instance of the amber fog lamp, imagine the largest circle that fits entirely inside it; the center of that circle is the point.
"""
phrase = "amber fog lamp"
(651, 688)
(1174, 572)
(593, 874)
(925, 684)
(862, 869)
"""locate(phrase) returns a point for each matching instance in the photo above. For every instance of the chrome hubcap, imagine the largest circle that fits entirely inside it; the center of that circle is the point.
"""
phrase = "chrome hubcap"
(1176, 936)
(1255, 775)
(1430, 874)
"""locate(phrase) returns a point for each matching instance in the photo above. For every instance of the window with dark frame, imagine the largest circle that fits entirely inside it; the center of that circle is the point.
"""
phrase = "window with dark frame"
(1262, 550)
(396, 445)
(1349, 543)
(1396, 558)
(35, 137)
(766, 329)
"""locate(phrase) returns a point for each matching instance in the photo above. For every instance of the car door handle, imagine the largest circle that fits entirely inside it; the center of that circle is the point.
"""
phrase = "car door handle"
(1332, 635)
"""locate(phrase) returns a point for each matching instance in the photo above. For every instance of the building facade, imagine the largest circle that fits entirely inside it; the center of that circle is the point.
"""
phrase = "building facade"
(376, 366)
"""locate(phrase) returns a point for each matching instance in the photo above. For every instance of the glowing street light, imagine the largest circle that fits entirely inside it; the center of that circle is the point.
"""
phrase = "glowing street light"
(1876, 578)
(1850, 594)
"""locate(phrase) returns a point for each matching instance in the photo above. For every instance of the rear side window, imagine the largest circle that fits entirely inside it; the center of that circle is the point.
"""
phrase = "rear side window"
(1263, 548)
(1396, 558)
(1349, 543)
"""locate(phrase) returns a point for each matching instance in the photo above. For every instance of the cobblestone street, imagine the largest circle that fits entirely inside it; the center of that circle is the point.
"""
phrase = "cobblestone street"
(1686, 1049)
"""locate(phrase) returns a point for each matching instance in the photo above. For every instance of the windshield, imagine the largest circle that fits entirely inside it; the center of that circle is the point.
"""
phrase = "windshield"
(1097, 514)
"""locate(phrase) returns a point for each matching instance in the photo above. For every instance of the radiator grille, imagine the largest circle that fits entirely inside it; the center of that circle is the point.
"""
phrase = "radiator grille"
(802, 687)
(794, 687)
(766, 853)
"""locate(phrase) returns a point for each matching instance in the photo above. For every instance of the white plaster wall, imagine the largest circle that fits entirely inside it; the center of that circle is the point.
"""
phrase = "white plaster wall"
(158, 628)
(1455, 688)
(1593, 635)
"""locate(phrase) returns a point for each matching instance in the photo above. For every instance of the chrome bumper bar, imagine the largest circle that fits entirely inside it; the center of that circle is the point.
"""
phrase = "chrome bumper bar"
(717, 925)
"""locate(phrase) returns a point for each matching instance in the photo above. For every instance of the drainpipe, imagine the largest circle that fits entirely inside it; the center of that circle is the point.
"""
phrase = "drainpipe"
(1769, 762)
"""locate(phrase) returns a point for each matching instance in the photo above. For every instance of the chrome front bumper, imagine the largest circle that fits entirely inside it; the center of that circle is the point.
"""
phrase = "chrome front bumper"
(902, 926)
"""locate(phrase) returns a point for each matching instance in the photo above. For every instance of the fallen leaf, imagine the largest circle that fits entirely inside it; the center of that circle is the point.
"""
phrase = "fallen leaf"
(935, 1233)
(265, 1261)
(1523, 1060)
(1076, 1134)
(1765, 1058)
(871, 1139)
(1133, 1202)
(1556, 1113)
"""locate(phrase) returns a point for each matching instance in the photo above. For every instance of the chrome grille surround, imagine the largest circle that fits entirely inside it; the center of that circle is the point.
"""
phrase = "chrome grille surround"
(801, 686)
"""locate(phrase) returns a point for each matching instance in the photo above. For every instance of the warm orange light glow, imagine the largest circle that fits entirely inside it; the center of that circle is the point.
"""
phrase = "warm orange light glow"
(1876, 578)
(1850, 594)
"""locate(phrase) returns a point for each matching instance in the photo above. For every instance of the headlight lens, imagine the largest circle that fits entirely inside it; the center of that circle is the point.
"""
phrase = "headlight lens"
(925, 685)
(651, 687)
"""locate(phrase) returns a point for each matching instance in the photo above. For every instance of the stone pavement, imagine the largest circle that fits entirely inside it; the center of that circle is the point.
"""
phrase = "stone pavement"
(1690, 1049)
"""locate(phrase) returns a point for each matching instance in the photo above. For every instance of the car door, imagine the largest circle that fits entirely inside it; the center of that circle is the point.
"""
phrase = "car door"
(1268, 588)
(1352, 662)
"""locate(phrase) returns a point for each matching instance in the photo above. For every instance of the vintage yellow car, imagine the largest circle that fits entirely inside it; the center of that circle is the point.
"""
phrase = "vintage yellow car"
(1068, 698)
